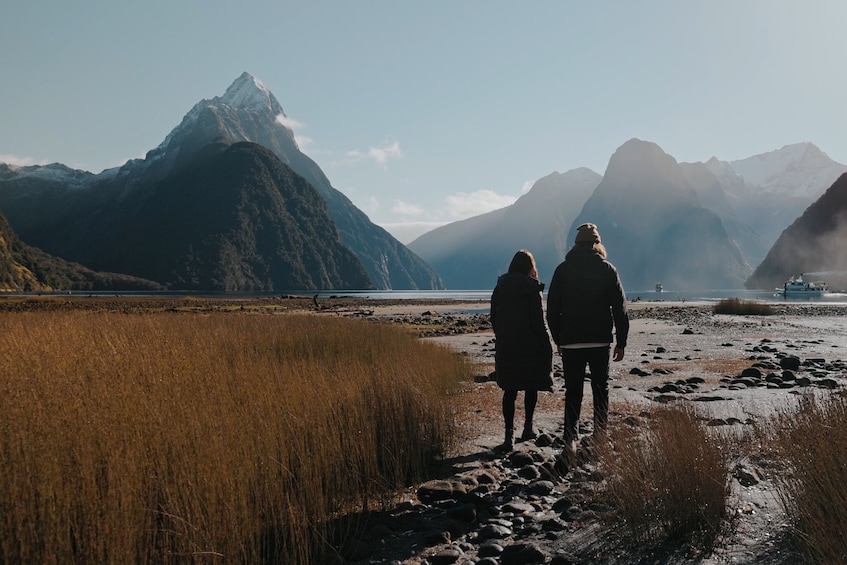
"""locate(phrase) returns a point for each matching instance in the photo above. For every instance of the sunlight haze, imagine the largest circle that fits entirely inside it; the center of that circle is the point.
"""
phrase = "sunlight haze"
(426, 113)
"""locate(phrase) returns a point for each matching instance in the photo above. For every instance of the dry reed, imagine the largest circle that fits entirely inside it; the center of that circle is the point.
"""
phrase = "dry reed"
(669, 482)
(226, 438)
(811, 440)
(742, 307)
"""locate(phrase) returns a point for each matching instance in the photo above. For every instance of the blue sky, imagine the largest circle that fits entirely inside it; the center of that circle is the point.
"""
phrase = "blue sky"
(428, 112)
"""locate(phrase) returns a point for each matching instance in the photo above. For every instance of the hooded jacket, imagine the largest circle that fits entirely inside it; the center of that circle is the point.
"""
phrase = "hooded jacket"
(585, 298)
(523, 355)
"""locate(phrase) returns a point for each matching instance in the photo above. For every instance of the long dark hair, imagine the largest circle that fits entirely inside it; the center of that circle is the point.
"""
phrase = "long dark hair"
(524, 263)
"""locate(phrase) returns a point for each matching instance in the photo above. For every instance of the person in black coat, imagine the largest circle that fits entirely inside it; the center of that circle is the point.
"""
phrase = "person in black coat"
(584, 302)
(523, 355)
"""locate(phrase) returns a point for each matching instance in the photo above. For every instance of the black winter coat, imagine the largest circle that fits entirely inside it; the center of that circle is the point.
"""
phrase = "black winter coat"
(523, 355)
(584, 300)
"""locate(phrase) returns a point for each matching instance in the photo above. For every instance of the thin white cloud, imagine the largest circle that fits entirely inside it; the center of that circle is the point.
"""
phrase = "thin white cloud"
(464, 205)
(407, 232)
(303, 142)
(380, 155)
(290, 123)
(22, 161)
(370, 206)
(527, 185)
(407, 209)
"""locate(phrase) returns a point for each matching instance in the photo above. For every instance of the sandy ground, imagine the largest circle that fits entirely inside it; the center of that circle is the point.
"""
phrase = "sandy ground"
(720, 346)
(684, 340)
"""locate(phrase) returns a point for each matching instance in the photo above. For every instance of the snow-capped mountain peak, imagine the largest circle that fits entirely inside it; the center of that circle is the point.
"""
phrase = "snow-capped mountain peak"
(247, 92)
(244, 113)
(800, 169)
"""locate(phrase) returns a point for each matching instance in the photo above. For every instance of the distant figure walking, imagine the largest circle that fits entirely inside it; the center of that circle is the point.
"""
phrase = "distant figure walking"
(523, 355)
(584, 300)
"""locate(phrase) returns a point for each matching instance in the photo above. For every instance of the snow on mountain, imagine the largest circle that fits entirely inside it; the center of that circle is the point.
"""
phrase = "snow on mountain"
(246, 103)
(247, 92)
(798, 170)
(54, 172)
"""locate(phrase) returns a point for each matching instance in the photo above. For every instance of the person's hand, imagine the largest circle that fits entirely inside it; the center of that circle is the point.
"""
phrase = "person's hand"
(618, 354)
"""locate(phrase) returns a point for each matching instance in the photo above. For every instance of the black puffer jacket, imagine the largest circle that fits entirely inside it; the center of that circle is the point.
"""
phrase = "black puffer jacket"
(523, 355)
(585, 298)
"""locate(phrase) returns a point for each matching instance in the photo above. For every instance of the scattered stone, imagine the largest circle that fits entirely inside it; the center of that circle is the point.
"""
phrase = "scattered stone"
(753, 372)
(445, 557)
(463, 513)
(518, 508)
(522, 554)
(540, 488)
(746, 477)
(434, 491)
(530, 472)
(790, 363)
(494, 531)
(490, 549)
(519, 459)
(544, 440)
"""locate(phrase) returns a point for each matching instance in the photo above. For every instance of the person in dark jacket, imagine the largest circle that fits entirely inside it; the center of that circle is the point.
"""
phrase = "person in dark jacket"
(523, 355)
(584, 301)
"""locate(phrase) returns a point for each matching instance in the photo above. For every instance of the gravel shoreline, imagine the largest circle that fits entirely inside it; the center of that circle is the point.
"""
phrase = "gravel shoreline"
(678, 352)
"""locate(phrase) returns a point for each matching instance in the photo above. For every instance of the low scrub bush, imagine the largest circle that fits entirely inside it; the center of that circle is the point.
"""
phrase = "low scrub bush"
(669, 482)
(227, 438)
(742, 307)
(811, 440)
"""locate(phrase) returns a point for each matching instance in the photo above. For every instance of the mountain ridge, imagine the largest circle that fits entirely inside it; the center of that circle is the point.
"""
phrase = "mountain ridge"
(471, 253)
(249, 112)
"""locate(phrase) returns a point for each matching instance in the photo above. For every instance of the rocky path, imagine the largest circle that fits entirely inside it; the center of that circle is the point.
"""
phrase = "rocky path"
(494, 506)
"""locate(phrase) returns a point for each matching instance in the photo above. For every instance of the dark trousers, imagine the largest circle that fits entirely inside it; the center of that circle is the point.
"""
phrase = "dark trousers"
(574, 362)
(509, 398)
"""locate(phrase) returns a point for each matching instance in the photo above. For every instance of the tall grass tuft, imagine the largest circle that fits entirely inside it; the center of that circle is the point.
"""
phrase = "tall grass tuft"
(742, 307)
(669, 482)
(811, 440)
(219, 438)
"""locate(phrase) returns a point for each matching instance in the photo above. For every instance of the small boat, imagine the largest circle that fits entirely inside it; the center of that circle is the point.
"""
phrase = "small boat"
(796, 287)
(659, 287)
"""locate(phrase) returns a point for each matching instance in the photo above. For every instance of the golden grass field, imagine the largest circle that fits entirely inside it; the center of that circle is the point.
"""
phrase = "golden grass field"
(165, 437)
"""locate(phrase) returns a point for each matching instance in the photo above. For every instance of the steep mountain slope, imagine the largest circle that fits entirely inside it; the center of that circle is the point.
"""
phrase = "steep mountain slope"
(49, 206)
(28, 269)
(816, 243)
(472, 253)
(655, 228)
(248, 111)
(711, 193)
(232, 218)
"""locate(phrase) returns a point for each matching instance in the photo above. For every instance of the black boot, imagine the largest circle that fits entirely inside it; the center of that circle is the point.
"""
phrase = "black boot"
(507, 441)
(528, 432)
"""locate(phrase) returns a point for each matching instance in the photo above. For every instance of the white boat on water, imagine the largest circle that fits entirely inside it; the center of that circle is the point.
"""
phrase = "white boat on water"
(659, 287)
(796, 287)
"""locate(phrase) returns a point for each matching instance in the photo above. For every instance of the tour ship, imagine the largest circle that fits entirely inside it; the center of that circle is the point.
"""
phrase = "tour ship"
(796, 287)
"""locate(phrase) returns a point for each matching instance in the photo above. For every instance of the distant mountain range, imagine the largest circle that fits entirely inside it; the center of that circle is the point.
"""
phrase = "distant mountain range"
(471, 253)
(229, 202)
(108, 220)
(687, 225)
(656, 229)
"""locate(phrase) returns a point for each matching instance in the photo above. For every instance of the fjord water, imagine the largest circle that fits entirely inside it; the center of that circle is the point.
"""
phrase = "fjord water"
(646, 295)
